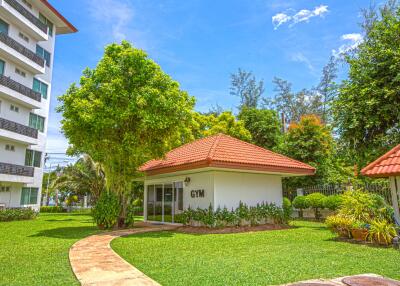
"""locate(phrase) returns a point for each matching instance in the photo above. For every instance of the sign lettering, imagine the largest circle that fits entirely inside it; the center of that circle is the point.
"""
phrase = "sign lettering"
(197, 193)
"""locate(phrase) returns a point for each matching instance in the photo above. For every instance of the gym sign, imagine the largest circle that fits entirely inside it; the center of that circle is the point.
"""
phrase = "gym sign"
(197, 193)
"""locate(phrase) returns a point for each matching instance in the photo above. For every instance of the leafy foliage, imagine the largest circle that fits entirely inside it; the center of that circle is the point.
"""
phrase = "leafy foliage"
(17, 214)
(264, 126)
(242, 215)
(333, 202)
(245, 86)
(366, 111)
(382, 231)
(52, 209)
(316, 201)
(340, 224)
(287, 209)
(125, 112)
(226, 123)
(105, 212)
(300, 203)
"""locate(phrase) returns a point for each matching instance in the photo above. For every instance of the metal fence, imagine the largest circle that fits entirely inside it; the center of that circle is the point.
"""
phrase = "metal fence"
(381, 188)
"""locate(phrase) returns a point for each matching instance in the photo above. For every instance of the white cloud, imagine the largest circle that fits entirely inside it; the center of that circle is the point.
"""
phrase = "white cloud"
(301, 58)
(351, 42)
(112, 19)
(303, 15)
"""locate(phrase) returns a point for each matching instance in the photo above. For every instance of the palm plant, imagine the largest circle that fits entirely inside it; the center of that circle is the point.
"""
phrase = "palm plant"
(85, 176)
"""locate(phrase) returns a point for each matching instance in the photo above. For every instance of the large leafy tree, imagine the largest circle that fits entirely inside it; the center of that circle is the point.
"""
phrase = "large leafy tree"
(205, 125)
(264, 126)
(311, 142)
(245, 86)
(124, 112)
(367, 110)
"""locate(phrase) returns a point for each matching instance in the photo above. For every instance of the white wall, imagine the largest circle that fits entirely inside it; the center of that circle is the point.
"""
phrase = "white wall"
(250, 188)
(11, 199)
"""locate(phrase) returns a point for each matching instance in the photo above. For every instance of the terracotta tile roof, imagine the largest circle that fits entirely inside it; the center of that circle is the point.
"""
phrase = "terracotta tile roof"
(385, 166)
(224, 151)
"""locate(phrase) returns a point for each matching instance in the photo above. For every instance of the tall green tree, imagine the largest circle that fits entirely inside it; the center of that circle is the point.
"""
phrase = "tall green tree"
(245, 86)
(264, 126)
(226, 122)
(367, 112)
(328, 88)
(124, 112)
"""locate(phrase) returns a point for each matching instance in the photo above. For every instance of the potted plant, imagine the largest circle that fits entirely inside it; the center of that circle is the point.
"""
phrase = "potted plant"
(359, 230)
(382, 232)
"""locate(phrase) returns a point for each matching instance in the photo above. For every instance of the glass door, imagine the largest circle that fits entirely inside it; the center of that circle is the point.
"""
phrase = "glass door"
(168, 196)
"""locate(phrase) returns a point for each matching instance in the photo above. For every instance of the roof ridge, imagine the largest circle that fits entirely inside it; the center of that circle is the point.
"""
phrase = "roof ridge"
(265, 149)
(384, 156)
(213, 147)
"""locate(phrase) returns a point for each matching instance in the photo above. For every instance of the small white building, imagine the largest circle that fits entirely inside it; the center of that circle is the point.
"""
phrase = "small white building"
(220, 171)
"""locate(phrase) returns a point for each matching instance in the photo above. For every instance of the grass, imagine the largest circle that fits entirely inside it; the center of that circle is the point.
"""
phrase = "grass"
(259, 258)
(35, 252)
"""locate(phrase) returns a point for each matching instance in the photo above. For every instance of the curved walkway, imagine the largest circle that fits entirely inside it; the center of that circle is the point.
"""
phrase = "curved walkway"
(95, 263)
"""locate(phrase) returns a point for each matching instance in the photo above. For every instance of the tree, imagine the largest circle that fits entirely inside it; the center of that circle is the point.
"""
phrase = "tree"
(206, 125)
(84, 177)
(311, 142)
(327, 88)
(366, 112)
(245, 86)
(125, 112)
(293, 105)
(264, 126)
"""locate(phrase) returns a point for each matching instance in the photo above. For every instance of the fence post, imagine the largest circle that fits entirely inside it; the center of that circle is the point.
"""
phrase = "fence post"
(300, 192)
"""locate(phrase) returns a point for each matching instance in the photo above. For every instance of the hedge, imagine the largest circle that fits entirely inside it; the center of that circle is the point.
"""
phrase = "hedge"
(17, 214)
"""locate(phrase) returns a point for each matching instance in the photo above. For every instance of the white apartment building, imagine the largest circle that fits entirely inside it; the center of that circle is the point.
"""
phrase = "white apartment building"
(28, 30)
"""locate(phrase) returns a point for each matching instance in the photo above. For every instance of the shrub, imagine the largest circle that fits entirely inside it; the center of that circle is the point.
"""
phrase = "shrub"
(240, 216)
(17, 214)
(52, 209)
(381, 232)
(316, 201)
(333, 202)
(130, 215)
(365, 206)
(340, 224)
(300, 203)
(105, 212)
(287, 209)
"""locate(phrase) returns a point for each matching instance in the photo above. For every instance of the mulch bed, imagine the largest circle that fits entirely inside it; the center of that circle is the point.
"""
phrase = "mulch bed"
(231, 229)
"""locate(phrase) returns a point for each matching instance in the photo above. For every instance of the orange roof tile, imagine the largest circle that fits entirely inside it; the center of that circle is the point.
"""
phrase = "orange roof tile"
(385, 166)
(223, 151)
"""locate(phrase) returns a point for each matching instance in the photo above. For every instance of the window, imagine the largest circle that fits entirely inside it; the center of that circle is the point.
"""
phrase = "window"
(10, 147)
(2, 66)
(14, 108)
(3, 27)
(46, 21)
(40, 87)
(4, 189)
(20, 72)
(29, 196)
(44, 54)
(36, 121)
(23, 37)
(27, 4)
(33, 158)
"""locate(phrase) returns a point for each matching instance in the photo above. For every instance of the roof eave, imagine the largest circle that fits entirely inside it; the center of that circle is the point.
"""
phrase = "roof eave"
(63, 26)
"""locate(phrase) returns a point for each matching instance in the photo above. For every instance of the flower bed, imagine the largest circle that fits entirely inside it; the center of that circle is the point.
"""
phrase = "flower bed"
(242, 216)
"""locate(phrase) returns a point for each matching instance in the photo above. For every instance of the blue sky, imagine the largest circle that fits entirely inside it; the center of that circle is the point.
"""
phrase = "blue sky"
(200, 43)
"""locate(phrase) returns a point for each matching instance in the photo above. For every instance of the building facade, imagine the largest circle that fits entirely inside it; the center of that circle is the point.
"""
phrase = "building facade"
(217, 171)
(28, 29)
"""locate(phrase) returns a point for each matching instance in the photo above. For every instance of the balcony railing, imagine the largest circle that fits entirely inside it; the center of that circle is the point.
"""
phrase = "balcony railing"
(21, 49)
(20, 88)
(11, 169)
(18, 128)
(28, 15)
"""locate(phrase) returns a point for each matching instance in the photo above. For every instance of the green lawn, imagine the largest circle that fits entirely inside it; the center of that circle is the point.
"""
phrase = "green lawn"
(258, 258)
(35, 252)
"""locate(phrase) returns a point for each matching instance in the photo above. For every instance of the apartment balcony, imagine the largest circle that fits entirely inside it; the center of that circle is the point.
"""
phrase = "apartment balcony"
(18, 132)
(15, 12)
(10, 48)
(20, 93)
(16, 173)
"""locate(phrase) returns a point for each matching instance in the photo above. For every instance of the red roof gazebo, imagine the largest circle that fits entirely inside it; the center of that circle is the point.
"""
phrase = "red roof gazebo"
(388, 166)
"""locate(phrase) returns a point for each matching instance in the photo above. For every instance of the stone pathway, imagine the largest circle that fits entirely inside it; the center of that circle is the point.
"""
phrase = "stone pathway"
(355, 280)
(95, 263)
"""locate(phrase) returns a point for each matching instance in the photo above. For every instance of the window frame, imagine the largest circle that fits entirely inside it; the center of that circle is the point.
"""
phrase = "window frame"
(41, 86)
(29, 196)
(44, 54)
(34, 121)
